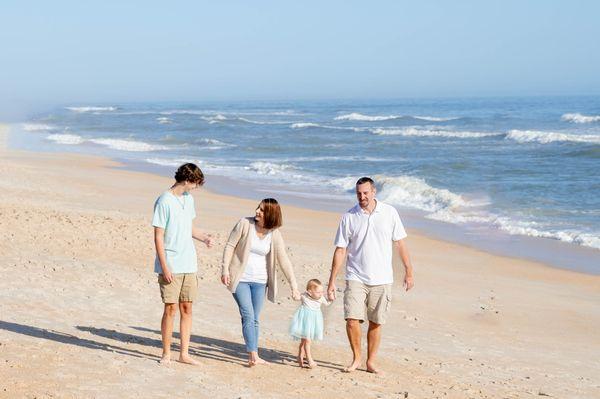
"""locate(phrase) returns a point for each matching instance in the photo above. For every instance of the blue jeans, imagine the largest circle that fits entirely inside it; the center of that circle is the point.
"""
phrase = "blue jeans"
(250, 298)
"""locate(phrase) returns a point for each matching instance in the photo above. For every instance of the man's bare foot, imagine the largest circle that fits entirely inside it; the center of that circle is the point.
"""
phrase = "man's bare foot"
(352, 366)
(372, 369)
(165, 360)
(188, 360)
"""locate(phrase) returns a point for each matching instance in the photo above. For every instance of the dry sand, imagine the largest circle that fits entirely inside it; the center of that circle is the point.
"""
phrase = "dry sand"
(80, 310)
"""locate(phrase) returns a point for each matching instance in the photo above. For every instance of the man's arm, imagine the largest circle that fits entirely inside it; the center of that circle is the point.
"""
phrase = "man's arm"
(202, 237)
(339, 256)
(408, 269)
(159, 243)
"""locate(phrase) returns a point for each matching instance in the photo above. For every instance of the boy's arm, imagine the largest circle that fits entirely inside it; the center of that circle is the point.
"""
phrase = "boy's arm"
(159, 243)
(202, 237)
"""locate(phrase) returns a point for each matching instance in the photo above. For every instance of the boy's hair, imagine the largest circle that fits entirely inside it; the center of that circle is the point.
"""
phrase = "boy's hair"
(272, 213)
(189, 172)
(313, 283)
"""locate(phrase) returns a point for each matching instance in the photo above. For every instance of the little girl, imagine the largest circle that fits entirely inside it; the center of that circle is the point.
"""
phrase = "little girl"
(307, 324)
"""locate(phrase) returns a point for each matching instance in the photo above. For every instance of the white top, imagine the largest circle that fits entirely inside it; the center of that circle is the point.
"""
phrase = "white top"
(256, 267)
(314, 304)
(368, 241)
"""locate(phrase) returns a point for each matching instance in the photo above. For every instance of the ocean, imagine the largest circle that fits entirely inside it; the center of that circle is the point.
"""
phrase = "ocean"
(510, 168)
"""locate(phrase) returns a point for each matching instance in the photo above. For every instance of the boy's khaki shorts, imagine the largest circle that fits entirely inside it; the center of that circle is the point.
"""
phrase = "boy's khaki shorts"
(376, 299)
(183, 288)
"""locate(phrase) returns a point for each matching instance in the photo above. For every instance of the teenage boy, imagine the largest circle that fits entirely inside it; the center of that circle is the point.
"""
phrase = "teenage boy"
(176, 262)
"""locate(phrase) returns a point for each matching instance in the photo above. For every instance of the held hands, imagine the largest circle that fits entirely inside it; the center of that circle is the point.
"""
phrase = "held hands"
(408, 282)
(331, 292)
(295, 295)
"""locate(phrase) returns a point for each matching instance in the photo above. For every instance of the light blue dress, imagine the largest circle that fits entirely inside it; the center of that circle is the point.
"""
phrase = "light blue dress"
(308, 319)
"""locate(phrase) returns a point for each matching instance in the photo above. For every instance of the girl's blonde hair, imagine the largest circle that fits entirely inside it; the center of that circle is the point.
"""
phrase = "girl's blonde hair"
(313, 283)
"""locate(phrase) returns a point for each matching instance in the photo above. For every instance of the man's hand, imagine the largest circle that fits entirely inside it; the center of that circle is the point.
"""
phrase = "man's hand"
(331, 292)
(167, 275)
(226, 279)
(408, 282)
(295, 295)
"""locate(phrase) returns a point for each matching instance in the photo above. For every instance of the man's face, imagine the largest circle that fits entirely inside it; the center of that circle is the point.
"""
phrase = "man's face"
(365, 193)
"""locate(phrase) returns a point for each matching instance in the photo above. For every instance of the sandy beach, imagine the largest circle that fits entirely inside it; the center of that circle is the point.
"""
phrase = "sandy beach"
(80, 310)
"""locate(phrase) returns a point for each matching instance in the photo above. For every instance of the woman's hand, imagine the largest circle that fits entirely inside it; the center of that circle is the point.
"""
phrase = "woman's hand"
(226, 279)
(295, 295)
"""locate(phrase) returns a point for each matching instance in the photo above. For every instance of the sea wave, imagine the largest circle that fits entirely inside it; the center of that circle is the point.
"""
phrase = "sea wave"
(269, 168)
(214, 118)
(310, 125)
(579, 118)
(163, 120)
(71, 139)
(37, 127)
(529, 136)
(412, 131)
(129, 145)
(355, 116)
(91, 109)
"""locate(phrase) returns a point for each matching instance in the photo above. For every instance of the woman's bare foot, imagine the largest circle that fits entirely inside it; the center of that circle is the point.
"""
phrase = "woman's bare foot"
(256, 362)
(352, 367)
(187, 360)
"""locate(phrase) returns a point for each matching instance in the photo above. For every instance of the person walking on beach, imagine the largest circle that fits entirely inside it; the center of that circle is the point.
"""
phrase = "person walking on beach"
(176, 262)
(364, 239)
(254, 246)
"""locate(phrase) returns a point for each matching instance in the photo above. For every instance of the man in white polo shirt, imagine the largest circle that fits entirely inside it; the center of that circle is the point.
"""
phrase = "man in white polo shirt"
(365, 238)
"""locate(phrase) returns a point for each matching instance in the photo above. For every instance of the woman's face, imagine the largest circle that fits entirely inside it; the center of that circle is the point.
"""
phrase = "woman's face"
(259, 214)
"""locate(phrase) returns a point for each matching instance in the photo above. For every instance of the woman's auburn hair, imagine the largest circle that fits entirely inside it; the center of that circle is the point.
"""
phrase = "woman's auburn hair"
(272, 218)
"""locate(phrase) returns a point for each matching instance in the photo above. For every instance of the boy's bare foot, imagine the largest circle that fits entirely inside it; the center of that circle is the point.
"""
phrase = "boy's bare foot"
(352, 367)
(165, 360)
(188, 360)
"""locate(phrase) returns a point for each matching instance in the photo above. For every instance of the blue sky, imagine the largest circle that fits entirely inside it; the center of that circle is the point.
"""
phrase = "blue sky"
(74, 51)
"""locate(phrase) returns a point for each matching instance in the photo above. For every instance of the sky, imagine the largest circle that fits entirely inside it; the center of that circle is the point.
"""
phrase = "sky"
(85, 52)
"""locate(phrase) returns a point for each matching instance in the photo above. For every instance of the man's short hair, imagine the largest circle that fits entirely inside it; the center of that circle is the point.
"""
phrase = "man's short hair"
(272, 218)
(189, 172)
(364, 180)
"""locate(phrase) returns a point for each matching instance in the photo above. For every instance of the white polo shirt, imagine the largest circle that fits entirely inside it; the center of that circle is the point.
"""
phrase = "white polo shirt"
(368, 241)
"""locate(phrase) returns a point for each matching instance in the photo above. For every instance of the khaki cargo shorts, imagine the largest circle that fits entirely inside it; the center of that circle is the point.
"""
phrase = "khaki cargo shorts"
(183, 288)
(376, 299)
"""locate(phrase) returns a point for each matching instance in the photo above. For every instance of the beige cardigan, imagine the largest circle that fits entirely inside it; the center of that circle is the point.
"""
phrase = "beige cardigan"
(237, 250)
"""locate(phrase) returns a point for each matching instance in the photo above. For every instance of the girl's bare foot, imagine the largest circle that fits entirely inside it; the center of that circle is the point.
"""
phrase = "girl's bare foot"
(300, 360)
(312, 364)
(165, 360)
(188, 360)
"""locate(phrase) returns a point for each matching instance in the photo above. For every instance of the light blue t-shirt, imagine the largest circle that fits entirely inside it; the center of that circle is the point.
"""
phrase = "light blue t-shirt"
(175, 215)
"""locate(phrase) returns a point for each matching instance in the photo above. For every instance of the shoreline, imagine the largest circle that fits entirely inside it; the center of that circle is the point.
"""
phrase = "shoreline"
(550, 252)
(77, 233)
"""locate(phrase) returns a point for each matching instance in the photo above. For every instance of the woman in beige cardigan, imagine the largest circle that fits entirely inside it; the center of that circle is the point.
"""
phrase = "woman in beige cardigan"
(248, 270)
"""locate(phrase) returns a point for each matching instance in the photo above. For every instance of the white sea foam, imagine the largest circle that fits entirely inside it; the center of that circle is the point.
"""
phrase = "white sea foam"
(163, 120)
(303, 125)
(418, 132)
(214, 119)
(529, 136)
(129, 145)
(91, 109)
(71, 139)
(579, 118)
(37, 127)
(269, 168)
(355, 116)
